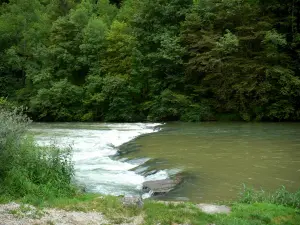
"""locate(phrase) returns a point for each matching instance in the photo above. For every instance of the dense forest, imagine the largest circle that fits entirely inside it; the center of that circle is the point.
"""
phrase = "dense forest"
(151, 60)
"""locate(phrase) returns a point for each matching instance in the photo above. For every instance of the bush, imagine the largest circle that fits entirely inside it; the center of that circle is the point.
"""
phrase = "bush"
(27, 170)
(280, 197)
(168, 106)
(197, 112)
(13, 125)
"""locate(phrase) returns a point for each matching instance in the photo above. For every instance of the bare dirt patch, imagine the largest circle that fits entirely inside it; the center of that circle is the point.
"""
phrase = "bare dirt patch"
(16, 214)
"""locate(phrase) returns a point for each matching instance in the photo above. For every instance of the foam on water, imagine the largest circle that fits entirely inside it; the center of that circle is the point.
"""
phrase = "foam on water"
(91, 150)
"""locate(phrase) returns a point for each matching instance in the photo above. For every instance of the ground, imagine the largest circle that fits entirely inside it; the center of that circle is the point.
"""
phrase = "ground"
(23, 214)
(94, 209)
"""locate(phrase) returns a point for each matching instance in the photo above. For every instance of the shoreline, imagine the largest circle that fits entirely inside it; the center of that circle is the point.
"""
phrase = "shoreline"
(87, 208)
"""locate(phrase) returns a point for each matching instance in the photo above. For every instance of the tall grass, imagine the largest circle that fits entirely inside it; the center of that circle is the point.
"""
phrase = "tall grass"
(27, 170)
(13, 125)
(280, 197)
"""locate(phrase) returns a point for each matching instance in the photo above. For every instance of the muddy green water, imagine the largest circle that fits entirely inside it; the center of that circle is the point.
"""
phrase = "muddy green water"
(220, 157)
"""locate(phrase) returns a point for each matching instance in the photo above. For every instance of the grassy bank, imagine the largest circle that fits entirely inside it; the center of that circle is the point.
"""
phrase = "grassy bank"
(154, 212)
(43, 177)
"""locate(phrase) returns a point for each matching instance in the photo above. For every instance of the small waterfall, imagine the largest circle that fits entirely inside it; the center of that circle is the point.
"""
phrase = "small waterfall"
(93, 147)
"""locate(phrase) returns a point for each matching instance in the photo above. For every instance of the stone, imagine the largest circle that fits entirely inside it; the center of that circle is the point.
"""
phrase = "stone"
(133, 201)
(160, 187)
(213, 209)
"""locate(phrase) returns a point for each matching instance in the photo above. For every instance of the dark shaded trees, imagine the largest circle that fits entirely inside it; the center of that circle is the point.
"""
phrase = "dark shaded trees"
(238, 60)
(69, 60)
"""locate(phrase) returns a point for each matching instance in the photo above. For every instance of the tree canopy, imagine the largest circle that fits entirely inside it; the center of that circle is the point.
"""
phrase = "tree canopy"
(156, 60)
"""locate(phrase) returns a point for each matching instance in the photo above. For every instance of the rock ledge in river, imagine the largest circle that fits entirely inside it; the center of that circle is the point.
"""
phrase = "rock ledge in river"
(160, 187)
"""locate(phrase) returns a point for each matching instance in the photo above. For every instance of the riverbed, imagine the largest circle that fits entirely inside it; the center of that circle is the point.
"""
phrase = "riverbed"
(215, 158)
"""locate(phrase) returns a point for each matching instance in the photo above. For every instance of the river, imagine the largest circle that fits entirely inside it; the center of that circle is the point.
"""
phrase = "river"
(215, 158)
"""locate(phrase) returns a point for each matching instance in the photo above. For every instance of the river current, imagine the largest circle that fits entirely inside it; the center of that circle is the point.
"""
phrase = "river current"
(215, 158)
(93, 146)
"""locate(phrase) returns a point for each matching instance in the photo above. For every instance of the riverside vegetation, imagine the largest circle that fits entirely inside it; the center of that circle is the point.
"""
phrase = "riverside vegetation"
(44, 177)
(157, 60)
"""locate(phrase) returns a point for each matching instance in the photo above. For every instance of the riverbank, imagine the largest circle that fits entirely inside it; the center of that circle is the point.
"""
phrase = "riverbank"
(84, 209)
(41, 183)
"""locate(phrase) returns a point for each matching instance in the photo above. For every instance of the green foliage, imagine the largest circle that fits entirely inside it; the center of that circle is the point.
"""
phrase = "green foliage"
(119, 95)
(241, 214)
(234, 69)
(171, 60)
(198, 112)
(13, 125)
(167, 106)
(259, 214)
(29, 170)
(228, 44)
(57, 102)
(4, 104)
(154, 212)
(280, 197)
(120, 44)
(170, 214)
(42, 173)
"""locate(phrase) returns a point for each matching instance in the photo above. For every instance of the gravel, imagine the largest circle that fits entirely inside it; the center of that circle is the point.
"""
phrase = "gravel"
(16, 214)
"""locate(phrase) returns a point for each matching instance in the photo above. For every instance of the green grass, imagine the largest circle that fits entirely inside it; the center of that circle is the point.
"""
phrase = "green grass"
(155, 212)
(185, 213)
(280, 197)
(110, 206)
(242, 214)
(259, 214)
(28, 171)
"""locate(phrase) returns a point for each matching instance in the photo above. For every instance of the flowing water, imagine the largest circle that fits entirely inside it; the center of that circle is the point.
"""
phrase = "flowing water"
(215, 158)
(93, 145)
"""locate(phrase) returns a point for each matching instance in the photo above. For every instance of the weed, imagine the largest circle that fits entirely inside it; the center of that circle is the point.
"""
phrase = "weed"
(280, 197)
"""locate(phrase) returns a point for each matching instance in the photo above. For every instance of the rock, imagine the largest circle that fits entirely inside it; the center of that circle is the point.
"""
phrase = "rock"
(133, 201)
(150, 173)
(160, 187)
(213, 209)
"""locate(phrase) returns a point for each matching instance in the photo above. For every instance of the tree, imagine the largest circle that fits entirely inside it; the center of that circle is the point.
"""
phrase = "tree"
(230, 61)
(157, 60)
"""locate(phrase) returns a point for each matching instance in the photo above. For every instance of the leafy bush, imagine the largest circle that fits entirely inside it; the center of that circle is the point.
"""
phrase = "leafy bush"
(58, 102)
(280, 197)
(13, 125)
(197, 112)
(167, 106)
(27, 170)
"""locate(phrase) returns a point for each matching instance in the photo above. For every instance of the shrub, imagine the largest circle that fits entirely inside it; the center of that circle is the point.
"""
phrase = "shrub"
(27, 169)
(168, 106)
(197, 112)
(13, 125)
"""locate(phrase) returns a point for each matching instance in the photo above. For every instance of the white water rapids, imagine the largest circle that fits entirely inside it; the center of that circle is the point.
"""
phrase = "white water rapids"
(92, 145)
